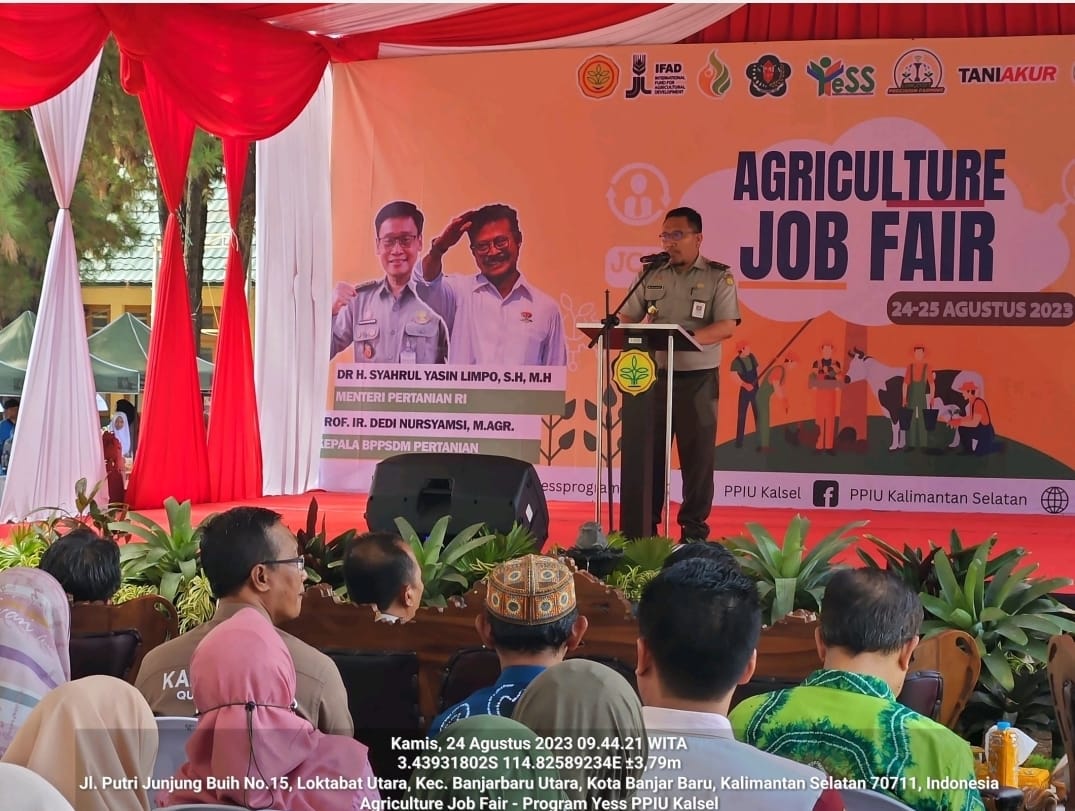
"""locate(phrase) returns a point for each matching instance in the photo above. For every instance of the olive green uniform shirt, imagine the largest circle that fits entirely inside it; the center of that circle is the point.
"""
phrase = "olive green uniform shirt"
(701, 295)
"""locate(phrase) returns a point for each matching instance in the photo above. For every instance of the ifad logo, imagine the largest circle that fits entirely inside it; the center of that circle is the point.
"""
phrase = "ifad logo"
(836, 78)
(715, 79)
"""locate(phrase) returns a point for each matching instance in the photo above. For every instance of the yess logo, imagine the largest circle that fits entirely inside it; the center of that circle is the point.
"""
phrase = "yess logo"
(834, 78)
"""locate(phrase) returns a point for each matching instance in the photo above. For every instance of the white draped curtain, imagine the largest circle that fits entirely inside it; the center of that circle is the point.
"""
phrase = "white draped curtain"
(58, 436)
(293, 319)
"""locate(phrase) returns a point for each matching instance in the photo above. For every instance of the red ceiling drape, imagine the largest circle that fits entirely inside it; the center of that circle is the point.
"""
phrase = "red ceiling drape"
(234, 436)
(172, 458)
(774, 22)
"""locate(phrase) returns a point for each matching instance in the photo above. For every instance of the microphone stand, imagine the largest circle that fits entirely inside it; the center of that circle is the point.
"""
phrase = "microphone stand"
(608, 323)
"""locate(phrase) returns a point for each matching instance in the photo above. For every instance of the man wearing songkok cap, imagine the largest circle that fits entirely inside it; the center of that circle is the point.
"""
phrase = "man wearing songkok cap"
(531, 621)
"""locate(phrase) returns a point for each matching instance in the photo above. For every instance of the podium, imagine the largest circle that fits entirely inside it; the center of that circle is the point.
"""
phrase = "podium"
(639, 421)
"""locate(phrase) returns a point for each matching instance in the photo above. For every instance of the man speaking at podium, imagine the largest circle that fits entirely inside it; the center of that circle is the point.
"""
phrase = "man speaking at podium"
(699, 295)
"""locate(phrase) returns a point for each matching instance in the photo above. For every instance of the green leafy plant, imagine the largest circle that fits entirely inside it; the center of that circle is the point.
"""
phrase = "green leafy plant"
(437, 560)
(648, 554)
(501, 547)
(90, 513)
(788, 578)
(324, 558)
(196, 604)
(1027, 706)
(27, 544)
(1011, 615)
(164, 558)
(130, 591)
(631, 580)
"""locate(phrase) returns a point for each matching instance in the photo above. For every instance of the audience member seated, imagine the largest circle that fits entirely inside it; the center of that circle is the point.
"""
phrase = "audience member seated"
(380, 569)
(84, 731)
(699, 622)
(496, 780)
(710, 550)
(35, 637)
(578, 700)
(7, 432)
(845, 717)
(531, 621)
(244, 683)
(35, 793)
(250, 559)
(85, 564)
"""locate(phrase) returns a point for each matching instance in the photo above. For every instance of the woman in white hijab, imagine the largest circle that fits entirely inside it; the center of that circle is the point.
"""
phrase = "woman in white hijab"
(122, 430)
(31, 791)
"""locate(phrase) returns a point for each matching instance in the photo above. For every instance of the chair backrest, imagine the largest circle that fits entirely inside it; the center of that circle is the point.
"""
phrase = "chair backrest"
(759, 685)
(469, 670)
(107, 653)
(953, 654)
(382, 696)
(863, 800)
(173, 732)
(923, 692)
(155, 619)
(1061, 664)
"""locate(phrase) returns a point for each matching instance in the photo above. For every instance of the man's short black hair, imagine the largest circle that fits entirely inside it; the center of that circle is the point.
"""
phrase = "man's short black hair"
(869, 611)
(532, 638)
(694, 219)
(376, 568)
(709, 550)
(85, 564)
(11, 402)
(701, 620)
(234, 542)
(399, 208)
(493, 213)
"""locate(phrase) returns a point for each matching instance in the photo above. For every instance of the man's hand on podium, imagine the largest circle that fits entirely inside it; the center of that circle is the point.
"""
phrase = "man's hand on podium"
(610, 321)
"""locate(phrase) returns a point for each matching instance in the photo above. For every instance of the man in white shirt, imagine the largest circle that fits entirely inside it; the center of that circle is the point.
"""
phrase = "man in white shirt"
(699, 622)
(496, 316)
(380, 569)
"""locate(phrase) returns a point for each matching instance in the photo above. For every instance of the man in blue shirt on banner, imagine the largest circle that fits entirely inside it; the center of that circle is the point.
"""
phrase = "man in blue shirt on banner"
(496, 316)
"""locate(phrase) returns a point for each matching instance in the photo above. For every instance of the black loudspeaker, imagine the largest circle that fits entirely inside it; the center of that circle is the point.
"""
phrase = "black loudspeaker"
(472, 488)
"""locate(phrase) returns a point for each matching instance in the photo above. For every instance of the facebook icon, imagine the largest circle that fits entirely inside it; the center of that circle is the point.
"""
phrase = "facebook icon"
(826, 493)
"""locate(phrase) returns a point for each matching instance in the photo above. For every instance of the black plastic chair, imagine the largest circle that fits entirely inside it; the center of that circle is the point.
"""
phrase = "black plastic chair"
(922, 692)
(468, 671)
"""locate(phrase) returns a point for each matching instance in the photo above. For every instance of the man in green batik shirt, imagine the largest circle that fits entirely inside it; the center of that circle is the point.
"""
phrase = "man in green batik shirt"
(845, 718)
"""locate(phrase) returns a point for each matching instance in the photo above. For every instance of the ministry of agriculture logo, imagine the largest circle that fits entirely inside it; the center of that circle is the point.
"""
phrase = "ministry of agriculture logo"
(1054, 500)
(715, 79)
(598, 76)
(634, 372)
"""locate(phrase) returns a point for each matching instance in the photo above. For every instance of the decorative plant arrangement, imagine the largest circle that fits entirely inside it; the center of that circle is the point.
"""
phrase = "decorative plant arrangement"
(438, 561)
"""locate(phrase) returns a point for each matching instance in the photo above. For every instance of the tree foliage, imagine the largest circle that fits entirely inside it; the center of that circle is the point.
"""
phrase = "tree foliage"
(115, 172)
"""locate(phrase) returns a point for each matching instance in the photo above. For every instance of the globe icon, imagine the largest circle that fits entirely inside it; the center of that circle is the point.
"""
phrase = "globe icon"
(1054, 500)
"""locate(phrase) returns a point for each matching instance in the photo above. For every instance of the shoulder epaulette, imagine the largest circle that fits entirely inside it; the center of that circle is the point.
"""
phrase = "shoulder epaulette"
(372, 283)
(718, 265)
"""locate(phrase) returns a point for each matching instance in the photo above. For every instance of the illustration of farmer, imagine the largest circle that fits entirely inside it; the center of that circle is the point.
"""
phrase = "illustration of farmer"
(745, 366)
(772, 385)
(826, 378)
(918, 391)
(976, 431)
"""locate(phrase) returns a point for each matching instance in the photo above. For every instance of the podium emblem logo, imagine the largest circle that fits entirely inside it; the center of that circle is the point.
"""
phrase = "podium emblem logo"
(634, 372)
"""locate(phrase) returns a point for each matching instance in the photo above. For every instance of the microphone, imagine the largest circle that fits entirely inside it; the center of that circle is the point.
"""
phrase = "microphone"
(659, 258)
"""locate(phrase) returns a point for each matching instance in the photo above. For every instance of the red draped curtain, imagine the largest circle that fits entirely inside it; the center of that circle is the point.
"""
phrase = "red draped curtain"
(234, 438)
(171, 458)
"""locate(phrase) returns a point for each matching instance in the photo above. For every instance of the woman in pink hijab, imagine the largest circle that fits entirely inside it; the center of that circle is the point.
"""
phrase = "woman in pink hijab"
(35, 639)
(261, 754)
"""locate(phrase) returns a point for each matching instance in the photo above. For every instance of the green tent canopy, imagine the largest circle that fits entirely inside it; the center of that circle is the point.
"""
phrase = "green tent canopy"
(15, 340)
(125, 343)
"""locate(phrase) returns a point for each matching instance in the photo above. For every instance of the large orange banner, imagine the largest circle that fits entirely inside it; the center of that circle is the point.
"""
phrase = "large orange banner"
(895, 214)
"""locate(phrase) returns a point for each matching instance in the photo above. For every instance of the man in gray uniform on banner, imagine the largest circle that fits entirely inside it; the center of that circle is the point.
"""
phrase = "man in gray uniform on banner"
(699, 295)
(385, 318)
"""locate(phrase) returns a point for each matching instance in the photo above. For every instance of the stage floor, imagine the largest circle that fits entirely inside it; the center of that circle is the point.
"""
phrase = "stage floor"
(1046, 539)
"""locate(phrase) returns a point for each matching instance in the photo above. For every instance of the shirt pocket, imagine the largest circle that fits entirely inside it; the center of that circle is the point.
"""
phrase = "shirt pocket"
(425, 339)
(368, 347)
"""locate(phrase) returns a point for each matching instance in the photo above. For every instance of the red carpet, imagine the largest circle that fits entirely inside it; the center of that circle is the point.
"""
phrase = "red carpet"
(1047, 539)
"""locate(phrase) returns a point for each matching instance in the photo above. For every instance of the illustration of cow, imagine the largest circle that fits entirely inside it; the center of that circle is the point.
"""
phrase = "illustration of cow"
(886, 382)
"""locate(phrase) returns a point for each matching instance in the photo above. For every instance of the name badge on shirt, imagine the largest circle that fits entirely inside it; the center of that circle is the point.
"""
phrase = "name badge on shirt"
(698, 309)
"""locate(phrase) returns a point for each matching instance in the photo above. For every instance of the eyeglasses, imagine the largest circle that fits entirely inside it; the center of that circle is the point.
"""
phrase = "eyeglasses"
(403, 240)
(673, 236)
(299, 562)
(500, 243)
